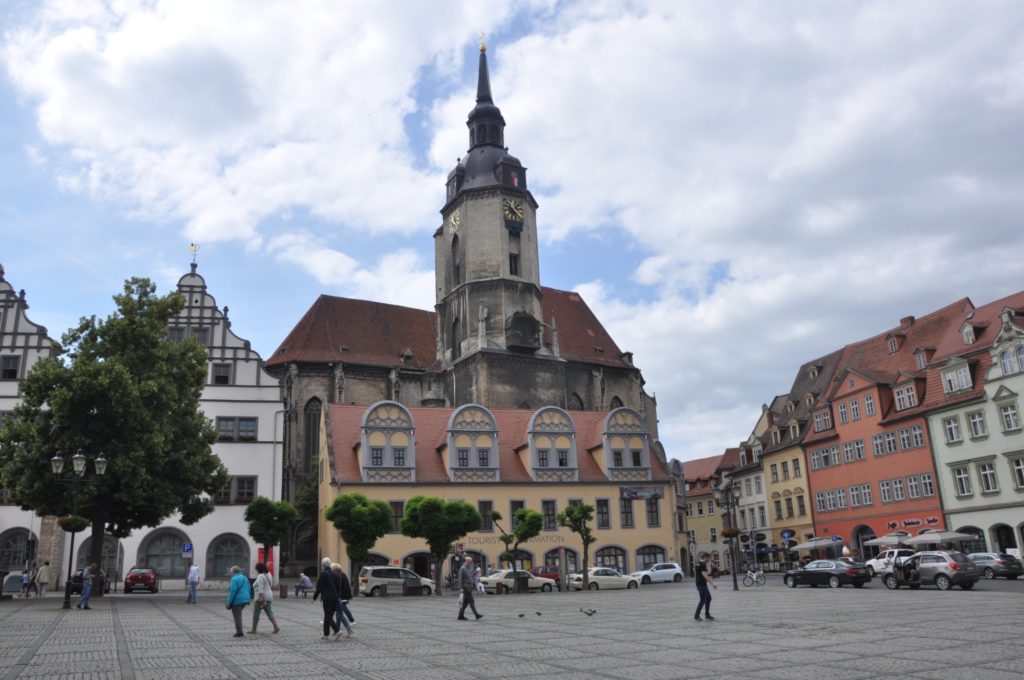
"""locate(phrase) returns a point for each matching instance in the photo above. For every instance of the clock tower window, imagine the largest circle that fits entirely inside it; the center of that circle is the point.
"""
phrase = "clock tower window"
(513, 254)
(456, 264)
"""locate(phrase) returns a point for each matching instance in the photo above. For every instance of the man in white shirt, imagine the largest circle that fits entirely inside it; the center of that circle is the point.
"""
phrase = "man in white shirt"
(192, 583)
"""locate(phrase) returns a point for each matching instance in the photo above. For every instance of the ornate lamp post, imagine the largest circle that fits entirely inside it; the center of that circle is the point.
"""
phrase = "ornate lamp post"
(75, 482)
(727, 496)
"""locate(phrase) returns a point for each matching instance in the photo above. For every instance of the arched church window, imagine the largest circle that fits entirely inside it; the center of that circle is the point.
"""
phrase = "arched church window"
(616, 402)
(311, 434)
(226, 551)
(575, 402)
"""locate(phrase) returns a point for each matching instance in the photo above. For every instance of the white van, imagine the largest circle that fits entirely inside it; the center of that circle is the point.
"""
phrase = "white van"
(377, 581)
(884, 559)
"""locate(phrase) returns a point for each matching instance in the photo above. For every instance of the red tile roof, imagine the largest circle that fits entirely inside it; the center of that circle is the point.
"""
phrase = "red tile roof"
(431, 437)
(702, 468)
(339, 329)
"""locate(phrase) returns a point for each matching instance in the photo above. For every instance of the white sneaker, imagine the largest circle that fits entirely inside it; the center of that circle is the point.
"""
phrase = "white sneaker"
(350, 631)
(337, 635)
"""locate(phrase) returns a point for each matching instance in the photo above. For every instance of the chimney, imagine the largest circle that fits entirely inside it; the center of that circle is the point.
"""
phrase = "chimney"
(907, 322)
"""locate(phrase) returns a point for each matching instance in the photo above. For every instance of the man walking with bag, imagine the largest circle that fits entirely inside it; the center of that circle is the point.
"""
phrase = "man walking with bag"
(327, 591)
(87, 576)
(468, 585)
(192, 583)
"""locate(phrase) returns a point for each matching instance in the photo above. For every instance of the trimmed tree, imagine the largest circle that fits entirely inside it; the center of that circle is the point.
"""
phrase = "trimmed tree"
(528, 524)
(122, 387)
(269, 522)
(576, 518)
(360, 522)
(440, 523)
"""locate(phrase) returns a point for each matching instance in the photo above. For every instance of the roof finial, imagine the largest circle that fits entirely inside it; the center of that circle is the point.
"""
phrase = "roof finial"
(483, 47)
(194, 249)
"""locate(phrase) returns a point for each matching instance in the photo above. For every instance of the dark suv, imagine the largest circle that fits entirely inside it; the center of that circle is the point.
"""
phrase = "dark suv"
(142, 577)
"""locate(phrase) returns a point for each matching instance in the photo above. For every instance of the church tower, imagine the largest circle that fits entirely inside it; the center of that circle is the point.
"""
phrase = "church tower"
(486, 264)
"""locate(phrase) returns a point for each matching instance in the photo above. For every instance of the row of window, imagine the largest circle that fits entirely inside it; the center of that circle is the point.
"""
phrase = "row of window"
(398, 456)
(801, 508)
(1009, 419)
(988, 480)
(239, 491)
(549, 510)
(853, 413)
(700, 508)
(784, 466)
(889, 491)
(882, 444)
(235, 429)
(1006, 361)
(760, 514)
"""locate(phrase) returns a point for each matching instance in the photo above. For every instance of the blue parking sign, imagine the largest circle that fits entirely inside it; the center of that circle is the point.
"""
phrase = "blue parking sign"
(186, 548)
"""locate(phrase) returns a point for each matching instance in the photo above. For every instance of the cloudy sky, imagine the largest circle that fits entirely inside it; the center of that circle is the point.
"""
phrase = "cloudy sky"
(735, 188)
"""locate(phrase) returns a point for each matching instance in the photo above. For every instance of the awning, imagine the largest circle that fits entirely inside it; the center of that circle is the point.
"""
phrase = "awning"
(889, 539)
(815, 544)
(938, 537)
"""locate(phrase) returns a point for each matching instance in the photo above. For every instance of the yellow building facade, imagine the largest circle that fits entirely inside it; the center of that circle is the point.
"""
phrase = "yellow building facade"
(503, 459)
(786, 485)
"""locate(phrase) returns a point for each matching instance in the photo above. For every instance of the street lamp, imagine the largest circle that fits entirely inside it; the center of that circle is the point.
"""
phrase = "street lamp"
(75, 482)
(727, 496)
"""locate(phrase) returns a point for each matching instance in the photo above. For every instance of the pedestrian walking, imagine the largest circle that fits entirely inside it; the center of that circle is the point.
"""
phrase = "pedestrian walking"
(343, 617)
(43, 577)
(87, 577)
(238, 597)
(327, 591)
(263, 591)
(477, 583)
(26, 582)
(468, 585)
(700, 573)
(192, 584)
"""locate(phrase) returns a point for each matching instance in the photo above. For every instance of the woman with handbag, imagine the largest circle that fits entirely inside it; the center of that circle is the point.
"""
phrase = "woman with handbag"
(238, 597)
(263, 591)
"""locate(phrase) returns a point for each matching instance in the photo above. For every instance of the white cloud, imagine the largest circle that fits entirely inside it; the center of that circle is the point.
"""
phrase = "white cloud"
(779, 178)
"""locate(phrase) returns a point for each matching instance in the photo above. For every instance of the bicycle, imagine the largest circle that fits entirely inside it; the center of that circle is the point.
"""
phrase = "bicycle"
(753, 577)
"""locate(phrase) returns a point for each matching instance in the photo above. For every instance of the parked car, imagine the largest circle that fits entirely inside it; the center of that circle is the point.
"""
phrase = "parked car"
(501, 582)
(145, 578)
(550, 571)
(102, 582)
(832, 573)
(603, 577)
(884, 559)
(374, 581)
(944, 568)
(997, 564)
(664, 572)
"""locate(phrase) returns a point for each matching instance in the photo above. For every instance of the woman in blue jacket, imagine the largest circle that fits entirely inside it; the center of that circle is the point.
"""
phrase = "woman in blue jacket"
(238, 597)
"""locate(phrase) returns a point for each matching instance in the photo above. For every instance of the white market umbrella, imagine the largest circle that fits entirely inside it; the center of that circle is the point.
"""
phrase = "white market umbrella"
(814, 544)
(889, 539)
(938, 537)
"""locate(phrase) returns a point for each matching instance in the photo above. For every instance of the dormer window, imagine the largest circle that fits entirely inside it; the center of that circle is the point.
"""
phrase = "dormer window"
(893, 345)
(812, 372)
(809, 400)
(822, 421)
(625, 430)
(552, 429)
(906, 397)
(388, 437)
(790, 407)
(968, 334)
(743, 457)
(794, 431)
(472, 434)
(956, 379)
(776, 437)
(922, 360)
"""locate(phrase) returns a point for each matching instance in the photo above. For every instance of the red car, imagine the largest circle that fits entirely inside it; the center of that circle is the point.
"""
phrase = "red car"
(142, 577)
(547, 571)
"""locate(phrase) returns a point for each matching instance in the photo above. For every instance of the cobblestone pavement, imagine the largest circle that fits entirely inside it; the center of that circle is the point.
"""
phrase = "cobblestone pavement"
(763, 633)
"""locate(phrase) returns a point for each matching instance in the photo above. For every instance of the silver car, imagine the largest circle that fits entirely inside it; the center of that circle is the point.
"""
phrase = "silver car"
(997, 564)
(663, 572)
(943, 568)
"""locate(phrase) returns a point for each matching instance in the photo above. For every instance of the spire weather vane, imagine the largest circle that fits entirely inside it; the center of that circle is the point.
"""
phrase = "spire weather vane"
(194, 249)
(483, 47)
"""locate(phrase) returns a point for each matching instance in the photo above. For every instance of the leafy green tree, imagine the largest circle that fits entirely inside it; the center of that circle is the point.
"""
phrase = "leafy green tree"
(270, 522)
(576, 518)
(440, 523)
(361, 522)
(528, 524)
(122, 387)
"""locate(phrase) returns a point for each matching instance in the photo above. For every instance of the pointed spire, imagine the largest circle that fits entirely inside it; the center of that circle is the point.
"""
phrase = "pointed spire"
(486, 125)
(483, 81)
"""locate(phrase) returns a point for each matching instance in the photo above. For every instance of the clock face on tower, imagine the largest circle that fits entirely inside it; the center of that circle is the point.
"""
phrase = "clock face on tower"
(512, 208)
(455, 219)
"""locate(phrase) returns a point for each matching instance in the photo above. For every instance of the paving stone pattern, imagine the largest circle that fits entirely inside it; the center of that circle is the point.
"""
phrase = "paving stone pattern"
(762, 633)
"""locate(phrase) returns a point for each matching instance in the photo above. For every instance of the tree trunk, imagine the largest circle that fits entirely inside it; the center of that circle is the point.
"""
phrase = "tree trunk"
(586, 565)
(96, 555)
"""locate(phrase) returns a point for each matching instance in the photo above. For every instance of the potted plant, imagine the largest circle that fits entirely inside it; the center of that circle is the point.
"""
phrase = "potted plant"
(73, 523)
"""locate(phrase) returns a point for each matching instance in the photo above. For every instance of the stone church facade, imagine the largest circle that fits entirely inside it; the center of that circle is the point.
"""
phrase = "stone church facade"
(496, 336)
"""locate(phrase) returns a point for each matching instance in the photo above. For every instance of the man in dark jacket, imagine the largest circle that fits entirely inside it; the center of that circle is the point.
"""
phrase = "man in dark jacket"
(468, 584)
(327, 591)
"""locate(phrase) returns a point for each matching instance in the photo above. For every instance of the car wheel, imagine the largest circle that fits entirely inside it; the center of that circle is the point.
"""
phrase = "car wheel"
(546, 588)
(790, 581)
(646, 580)
(375, 591)
(833, 582)
(426, 590)
(942, 582)
(593, 586)
(677, 578)
(631, 585)
(502, 589)
(891, 582)
(871, 570)
(989, 573)
(967, 586)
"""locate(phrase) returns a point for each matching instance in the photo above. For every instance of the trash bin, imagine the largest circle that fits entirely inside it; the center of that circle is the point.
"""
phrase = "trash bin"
(412, 586)
(284, 591)
(522, 582)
